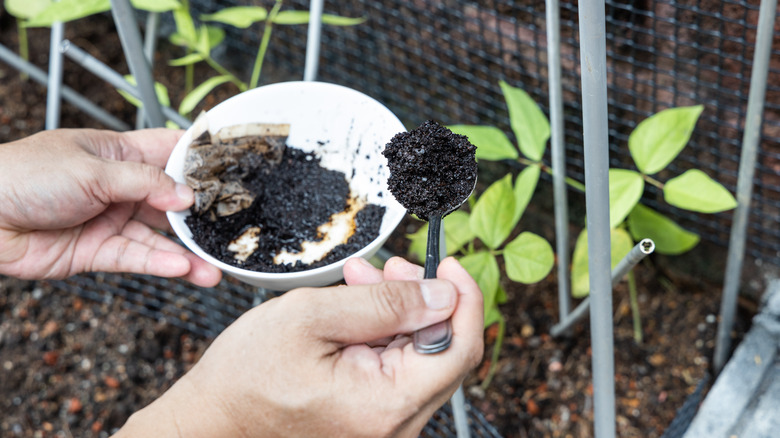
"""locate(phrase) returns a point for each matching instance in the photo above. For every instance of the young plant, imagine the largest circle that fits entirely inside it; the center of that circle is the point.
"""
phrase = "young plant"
(198, 41)
(653, 144)
(479, 237)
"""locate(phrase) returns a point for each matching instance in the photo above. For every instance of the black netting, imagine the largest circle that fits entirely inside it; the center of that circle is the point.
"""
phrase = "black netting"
(443, 60)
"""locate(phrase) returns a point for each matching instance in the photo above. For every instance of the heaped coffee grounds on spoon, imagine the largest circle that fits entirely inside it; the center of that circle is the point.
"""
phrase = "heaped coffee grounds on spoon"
(432, 169)
(292, 200)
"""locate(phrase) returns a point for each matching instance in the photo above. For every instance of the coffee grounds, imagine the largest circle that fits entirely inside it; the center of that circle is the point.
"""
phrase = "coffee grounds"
(432, 169)
(293, 198)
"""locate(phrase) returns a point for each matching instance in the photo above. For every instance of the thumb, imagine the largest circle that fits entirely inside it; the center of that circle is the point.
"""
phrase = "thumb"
(127, 181)
(358, 314)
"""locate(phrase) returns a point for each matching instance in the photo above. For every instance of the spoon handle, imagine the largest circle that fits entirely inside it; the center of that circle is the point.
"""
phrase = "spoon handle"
(437, 337)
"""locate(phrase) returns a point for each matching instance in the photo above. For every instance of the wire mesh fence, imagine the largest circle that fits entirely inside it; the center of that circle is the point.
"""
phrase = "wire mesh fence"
(443, 60)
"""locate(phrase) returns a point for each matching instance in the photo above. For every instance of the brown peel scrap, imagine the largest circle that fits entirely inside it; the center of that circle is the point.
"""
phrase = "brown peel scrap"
(213, 167)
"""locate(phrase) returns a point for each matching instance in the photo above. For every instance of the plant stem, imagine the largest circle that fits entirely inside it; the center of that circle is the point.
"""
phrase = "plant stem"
(653, 182)
(24, 47)
(632, 295)
(494, 356)
(224, 72)
(264, 44)
(189, 78)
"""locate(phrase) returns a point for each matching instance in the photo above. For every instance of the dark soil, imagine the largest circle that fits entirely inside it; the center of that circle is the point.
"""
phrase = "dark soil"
(432, 170)
(297, 187)
(73, 367)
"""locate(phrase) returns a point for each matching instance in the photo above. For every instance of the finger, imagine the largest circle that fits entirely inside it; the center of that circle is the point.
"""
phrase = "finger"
(359, 271)
(124, 181)
(396, 268)
(358, 314)
(201, 272)
(153, 146)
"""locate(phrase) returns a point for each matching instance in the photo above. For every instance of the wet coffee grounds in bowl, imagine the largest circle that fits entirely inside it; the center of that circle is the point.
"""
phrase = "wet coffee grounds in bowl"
(292, 199)
(432, 169)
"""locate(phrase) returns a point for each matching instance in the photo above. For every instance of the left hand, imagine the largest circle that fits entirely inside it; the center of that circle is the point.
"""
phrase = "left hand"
(78, 200)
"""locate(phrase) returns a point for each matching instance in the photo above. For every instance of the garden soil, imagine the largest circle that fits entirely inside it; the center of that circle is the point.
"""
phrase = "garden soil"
(74, 367)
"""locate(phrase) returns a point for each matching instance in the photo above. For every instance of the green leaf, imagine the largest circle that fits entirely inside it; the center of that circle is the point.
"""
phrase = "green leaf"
(491, 218)
(26, 9)
(185, 34)
(620, 245)
(695, 191)
(530, 125)
(657, 140)
(68, 10)
(525, 185)
(238, 16)
(493, 316)
(483, 267)
(501, 296)
(492, 144)
(159, 89)
(190, 59)
(528, 258)
(192, 99)
(215, 35)
(337, 20)
(625, 190)
(292, 17)
(156, 5)
(669, 238)
(457, 231)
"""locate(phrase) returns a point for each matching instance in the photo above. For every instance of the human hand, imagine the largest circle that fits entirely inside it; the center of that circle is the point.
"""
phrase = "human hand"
(328, 362)
(77, 200)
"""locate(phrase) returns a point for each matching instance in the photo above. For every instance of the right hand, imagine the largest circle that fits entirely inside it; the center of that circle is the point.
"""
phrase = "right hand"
(330, 362)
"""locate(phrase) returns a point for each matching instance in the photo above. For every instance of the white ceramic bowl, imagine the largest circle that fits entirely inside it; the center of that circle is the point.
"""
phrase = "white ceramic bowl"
(345, 128)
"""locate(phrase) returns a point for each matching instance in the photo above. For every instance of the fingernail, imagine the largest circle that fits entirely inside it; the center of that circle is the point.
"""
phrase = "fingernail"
(437, 294)
(184, 192)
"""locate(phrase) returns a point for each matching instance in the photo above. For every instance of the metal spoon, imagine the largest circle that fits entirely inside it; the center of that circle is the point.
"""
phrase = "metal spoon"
(432, 172)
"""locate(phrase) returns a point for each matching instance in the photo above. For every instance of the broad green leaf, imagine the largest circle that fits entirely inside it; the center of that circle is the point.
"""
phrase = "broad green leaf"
(26, 9)
(192, 99)
(156, 5)
(68, 10)
(491, 218)
(669, 238)
(528, 258)
(625, 190)
(238, 16)
(530, 125)
(456, 234)
(493, 316)
(492, 144)
(483, 267)
(695, 191)
(186, 34)
(525, 184)
(159, 89)
(457, 231)
(501, 296)
(190, 59)
(657, 140)
(620, 245)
